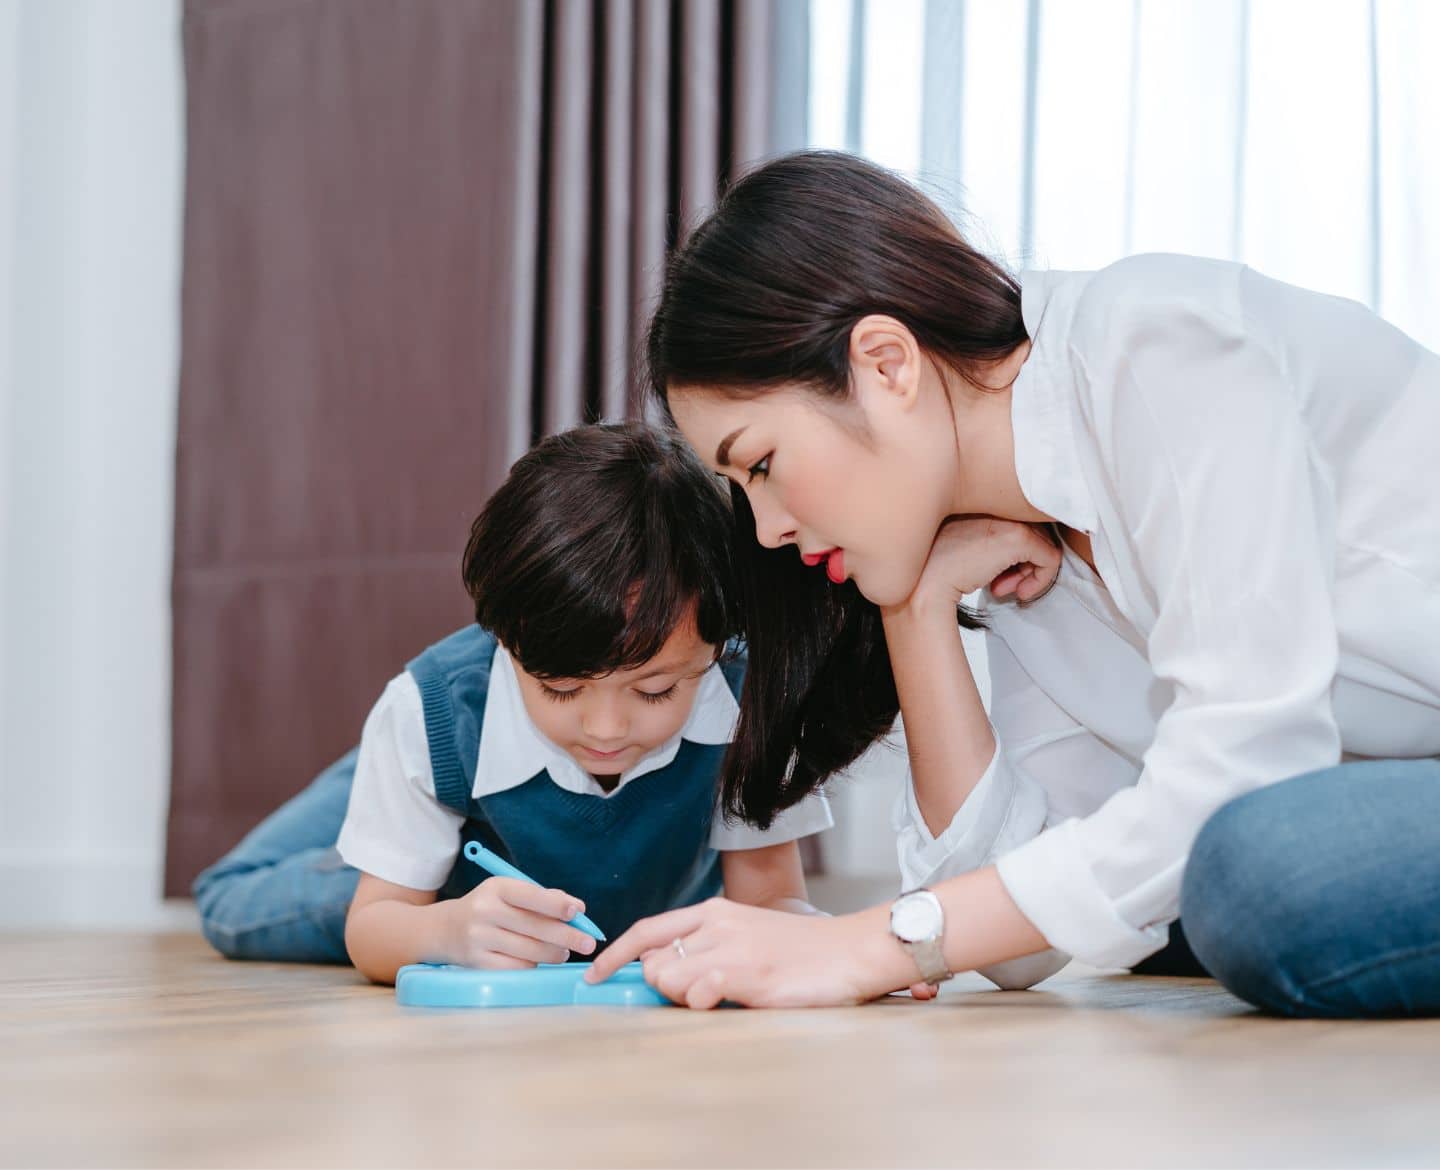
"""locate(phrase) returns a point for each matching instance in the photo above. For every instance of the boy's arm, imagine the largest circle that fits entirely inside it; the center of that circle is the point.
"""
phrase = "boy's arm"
(389, 926)
(770, 876)
(502, 924)
(395, 826)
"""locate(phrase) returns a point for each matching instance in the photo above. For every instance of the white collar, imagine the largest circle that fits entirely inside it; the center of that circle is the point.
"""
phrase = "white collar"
(1044, 402)
(512, 748)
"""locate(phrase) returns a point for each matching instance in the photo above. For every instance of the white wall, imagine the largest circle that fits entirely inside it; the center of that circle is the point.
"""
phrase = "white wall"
(91, 141)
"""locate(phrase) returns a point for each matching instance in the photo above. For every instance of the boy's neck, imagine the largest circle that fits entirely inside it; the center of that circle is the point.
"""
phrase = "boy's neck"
(608, 784)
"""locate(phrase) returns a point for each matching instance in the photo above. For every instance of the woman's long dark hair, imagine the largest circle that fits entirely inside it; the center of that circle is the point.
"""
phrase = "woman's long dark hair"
(764, 294)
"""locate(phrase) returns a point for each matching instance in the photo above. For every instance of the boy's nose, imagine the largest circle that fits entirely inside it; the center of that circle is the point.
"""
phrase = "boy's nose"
(604, 723)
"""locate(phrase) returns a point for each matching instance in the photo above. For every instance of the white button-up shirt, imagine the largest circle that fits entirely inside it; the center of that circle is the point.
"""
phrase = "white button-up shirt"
(397, 830)
(1258, 468)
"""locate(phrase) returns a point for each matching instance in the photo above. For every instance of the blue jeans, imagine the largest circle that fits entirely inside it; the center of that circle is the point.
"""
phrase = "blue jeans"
(1320, 895)
(283, 892)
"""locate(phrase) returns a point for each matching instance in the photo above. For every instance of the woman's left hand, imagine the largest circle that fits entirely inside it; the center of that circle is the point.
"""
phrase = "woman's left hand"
(760, 958)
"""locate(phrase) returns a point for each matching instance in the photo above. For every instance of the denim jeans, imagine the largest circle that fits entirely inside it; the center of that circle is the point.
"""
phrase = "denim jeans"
(1320, 895)
(283, 892)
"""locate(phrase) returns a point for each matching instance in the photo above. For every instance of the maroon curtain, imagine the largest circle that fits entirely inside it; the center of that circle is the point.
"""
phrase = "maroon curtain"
(418, 235)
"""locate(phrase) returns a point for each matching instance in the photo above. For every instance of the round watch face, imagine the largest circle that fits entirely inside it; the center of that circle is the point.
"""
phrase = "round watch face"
(915, 918)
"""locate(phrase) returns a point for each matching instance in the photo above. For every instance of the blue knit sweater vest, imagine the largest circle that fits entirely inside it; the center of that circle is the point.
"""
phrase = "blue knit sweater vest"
(640, 851)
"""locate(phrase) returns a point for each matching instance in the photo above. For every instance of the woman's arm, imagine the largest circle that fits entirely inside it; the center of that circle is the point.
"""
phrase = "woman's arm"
(947, 731)
(771, 877)
(954, 755)
(763, 958)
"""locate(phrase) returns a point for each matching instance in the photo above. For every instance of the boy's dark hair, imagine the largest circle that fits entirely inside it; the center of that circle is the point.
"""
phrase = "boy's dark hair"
(587, 557)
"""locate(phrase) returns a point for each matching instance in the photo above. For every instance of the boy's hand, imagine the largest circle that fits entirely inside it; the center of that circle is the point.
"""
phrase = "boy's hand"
(509, 924)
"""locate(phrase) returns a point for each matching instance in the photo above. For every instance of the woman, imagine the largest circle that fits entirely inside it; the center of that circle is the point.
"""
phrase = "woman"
(1241, 481)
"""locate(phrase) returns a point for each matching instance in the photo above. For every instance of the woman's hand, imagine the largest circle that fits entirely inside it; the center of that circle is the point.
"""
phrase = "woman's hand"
(761, 958)
(1009, 558)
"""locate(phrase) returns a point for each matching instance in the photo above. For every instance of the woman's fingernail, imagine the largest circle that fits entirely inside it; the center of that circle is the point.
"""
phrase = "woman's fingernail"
(575, 910)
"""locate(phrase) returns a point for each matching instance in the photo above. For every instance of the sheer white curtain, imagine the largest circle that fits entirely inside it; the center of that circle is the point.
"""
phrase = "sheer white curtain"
(1299, 136)
(1290, 134)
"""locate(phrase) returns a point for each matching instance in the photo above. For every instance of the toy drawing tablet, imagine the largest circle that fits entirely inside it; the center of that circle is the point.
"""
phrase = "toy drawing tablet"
(548, 985)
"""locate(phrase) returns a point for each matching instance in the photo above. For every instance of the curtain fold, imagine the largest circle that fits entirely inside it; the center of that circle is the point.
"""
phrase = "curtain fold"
(1292, 136)
(419, 234)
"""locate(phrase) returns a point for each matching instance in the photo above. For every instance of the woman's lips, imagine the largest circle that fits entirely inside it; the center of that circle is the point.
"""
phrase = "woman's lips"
(602, 755)
(834, 559)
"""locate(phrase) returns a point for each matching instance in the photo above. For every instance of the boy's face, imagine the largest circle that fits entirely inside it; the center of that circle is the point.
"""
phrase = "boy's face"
(608, 724)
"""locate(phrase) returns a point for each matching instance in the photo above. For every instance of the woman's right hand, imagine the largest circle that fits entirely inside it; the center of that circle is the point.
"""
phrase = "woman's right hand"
(1010, 558)
(509, 924)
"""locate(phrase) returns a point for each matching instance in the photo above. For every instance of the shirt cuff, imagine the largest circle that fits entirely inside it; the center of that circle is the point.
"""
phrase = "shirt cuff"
(1052, 883)
(1004, 808)
(810, 816)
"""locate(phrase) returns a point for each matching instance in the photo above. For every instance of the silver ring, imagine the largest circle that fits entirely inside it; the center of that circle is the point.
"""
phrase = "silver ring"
(1043, 594)
(1060, 544)
(678, 947)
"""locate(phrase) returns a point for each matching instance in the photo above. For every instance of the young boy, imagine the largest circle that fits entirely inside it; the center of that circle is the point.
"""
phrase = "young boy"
(577, 730)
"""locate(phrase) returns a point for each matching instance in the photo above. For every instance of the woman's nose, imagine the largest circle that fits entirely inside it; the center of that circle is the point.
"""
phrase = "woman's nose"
(774, 528)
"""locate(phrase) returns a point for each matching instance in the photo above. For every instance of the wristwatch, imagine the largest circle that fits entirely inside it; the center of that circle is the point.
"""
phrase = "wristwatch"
(917, 920)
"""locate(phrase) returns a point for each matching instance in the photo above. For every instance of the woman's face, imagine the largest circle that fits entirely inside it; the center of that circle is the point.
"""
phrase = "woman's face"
(858, 486)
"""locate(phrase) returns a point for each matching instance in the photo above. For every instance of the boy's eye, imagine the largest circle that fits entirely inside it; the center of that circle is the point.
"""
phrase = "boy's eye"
(660, 696)
(760, 468)
(556, 695)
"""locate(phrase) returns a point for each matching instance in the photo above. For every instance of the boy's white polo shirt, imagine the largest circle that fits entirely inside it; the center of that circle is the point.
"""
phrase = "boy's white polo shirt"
(397, 830)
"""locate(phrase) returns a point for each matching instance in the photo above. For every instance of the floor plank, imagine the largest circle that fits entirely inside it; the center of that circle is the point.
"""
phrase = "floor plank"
(146, 1050)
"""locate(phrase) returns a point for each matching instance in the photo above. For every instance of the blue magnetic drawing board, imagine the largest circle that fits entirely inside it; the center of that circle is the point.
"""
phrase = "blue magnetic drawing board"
(548, 985)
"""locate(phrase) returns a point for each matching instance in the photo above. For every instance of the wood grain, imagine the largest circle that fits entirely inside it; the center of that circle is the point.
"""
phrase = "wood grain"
(147, 1050)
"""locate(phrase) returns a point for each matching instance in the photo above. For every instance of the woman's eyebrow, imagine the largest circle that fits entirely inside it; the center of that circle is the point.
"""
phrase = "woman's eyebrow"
(722, 452)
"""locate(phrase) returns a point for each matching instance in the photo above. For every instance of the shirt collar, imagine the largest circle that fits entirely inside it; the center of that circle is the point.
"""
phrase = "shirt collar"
(1044, 402)
(513, 750)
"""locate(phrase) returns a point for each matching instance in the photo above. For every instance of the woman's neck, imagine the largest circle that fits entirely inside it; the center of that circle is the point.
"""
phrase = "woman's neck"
(987, 482)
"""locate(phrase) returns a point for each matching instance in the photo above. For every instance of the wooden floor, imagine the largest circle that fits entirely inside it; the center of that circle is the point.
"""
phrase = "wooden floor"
(121, 1050)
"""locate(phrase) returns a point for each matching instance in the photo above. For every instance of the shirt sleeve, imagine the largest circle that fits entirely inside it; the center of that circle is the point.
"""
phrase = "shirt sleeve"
(395, 827)
(810, 816)
(1005, 808)
(1229, 523)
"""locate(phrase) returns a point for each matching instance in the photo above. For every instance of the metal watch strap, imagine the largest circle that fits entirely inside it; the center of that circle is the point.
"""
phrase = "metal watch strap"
(929, 956)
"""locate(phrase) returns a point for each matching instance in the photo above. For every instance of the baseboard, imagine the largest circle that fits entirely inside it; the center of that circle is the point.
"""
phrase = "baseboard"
(90, 892)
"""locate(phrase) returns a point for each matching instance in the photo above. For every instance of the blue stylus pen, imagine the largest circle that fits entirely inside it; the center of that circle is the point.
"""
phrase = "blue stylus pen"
(493, 863)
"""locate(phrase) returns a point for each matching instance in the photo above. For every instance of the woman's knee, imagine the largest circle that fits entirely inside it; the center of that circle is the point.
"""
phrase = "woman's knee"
(1249, 893)
(1311, 896)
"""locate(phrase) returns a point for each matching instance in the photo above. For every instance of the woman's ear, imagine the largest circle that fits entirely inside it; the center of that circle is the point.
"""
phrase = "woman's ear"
(885, 359)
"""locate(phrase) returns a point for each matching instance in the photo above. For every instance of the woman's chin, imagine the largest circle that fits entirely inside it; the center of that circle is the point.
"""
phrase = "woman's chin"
(883, 594)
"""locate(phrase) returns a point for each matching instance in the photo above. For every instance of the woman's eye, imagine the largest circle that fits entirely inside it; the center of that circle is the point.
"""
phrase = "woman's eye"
(760, 468)
(559, 696)
(660, 696)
